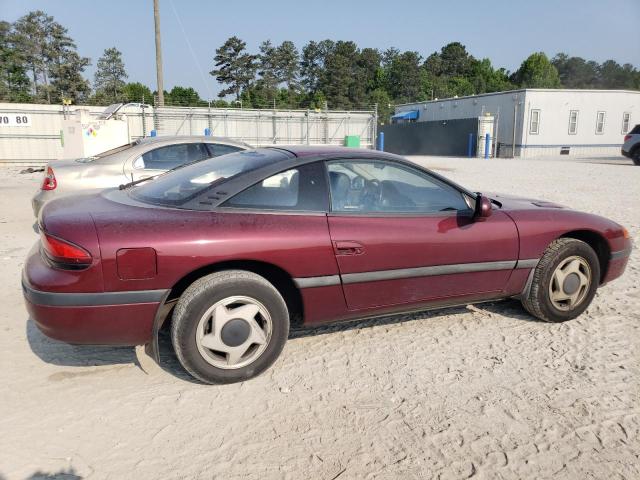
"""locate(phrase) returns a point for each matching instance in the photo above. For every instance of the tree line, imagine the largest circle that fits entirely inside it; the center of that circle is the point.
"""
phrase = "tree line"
(39, 62)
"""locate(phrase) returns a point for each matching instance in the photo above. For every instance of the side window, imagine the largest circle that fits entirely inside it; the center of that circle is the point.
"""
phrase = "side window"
(217, 149)
(301, 188)
(171, 156)
(369, 186)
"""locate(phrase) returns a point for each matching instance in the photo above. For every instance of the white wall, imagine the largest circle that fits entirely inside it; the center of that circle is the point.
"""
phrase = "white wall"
(555, 107)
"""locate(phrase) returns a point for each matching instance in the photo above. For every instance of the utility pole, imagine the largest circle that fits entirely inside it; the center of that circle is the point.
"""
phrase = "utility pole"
(160, 81)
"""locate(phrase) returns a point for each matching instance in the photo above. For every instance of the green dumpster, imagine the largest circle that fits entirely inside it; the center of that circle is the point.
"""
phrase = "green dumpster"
(352, 141)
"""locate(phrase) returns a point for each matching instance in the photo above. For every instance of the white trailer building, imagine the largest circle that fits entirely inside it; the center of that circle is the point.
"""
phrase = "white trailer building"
(542, 121)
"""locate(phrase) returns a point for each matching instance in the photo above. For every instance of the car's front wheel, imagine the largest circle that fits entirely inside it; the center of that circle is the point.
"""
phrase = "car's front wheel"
(564, 281)
(229, 326)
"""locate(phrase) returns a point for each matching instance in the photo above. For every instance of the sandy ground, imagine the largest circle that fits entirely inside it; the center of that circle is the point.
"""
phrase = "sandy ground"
(483, 392)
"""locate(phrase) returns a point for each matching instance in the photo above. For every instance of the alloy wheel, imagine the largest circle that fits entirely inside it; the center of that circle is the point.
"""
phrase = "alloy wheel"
(570, 283)
(234, 332)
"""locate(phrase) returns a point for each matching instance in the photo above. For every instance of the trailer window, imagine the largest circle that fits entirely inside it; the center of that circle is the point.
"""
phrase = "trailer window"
(573, 122)
(600, 123)
(534, 122)
(626, 121)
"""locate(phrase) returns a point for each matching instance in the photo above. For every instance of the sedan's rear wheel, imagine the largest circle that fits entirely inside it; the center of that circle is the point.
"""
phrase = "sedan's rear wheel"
(229, 326)
(635, 156)
(564, 281)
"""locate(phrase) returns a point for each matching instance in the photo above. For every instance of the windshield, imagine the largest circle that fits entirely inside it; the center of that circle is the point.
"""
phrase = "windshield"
(177, 187)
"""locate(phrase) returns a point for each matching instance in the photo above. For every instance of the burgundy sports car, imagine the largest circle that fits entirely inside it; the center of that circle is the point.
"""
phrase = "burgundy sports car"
(235, 249)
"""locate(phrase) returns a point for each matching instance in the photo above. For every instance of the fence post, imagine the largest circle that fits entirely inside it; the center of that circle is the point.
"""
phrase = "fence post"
(470, 146)
(307, 126)
(487, 145)
(144, 119)
(381, 141)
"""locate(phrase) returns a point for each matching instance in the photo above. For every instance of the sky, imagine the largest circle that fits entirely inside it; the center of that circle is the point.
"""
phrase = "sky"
(504, 31)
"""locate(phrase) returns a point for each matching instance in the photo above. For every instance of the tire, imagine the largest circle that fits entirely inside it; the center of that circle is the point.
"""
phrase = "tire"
(563, 255)
(228, 300)
(635, 156)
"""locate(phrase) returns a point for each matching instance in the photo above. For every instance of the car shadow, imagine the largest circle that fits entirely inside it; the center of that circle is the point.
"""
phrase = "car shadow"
(67, 355)
(619, 161)
(63, 354)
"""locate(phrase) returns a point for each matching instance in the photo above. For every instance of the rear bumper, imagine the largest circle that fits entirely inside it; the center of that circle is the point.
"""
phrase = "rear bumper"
(107, 318)
(625, 153)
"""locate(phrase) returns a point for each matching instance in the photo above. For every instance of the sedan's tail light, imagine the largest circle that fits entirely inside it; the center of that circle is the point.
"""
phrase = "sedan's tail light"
(49, 182)
(627, 137)
(64, 254)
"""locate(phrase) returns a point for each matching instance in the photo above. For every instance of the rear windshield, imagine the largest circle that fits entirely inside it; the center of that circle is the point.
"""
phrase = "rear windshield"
(119, 149)
(636, 130)
(177, 187)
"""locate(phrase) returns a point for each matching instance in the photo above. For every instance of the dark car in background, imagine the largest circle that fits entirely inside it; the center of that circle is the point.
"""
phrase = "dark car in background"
(233, 250)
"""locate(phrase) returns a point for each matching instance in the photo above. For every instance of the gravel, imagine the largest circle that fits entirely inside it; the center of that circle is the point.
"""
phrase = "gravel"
(483, 391)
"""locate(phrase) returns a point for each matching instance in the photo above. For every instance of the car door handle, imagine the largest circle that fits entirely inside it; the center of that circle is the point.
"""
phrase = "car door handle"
(348, 247)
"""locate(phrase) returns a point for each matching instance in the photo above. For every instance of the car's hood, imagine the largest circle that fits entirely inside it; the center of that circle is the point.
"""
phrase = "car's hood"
(511, 202)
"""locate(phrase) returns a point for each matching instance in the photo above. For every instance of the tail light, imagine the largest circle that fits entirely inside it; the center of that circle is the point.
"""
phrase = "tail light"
(49, 182)
(64, 254)
(627, 137)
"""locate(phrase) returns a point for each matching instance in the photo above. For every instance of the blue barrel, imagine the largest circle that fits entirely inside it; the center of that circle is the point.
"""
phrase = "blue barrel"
(487, 145)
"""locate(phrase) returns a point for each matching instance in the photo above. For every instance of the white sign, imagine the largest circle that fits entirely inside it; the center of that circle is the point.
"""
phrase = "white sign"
(15, 120)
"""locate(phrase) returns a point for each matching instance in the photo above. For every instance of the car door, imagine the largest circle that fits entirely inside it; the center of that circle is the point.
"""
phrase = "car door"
(160, 159)
(403, 236)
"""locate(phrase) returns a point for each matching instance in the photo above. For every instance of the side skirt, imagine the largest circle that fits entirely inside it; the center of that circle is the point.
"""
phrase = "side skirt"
(426, 308)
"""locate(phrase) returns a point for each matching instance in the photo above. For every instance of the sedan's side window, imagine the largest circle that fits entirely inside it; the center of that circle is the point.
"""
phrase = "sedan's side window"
(370, 186)
(217, 149)
(300, 188)
(171, 156)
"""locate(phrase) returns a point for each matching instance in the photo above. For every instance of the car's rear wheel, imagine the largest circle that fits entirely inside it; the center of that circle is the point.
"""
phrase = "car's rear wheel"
(229, 326)
(635, 156)
(564, 281)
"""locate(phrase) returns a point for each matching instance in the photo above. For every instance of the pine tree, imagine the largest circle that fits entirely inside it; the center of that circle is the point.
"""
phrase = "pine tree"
(14, 83)
(287, 65)
(31, 35)
(235, 67)
(50, 57)
(312, 64)
(110, 76)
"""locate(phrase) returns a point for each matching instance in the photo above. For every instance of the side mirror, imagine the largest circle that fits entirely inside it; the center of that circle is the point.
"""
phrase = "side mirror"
(483, 207)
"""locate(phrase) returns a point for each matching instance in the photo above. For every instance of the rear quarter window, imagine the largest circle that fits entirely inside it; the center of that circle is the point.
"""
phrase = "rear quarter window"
(303, 188)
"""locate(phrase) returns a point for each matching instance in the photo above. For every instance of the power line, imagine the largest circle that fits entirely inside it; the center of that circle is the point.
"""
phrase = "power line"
(195, 59)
